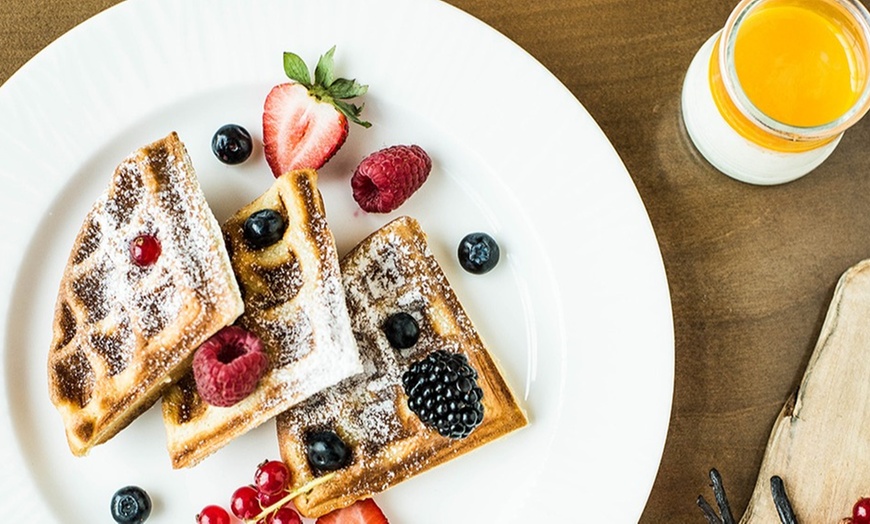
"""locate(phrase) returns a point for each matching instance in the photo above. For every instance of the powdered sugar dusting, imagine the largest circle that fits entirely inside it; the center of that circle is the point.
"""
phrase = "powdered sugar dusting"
(382, 276)
(123, 312)
(295, 303)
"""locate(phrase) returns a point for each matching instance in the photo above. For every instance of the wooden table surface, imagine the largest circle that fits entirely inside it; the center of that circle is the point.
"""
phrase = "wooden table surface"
(751, 269)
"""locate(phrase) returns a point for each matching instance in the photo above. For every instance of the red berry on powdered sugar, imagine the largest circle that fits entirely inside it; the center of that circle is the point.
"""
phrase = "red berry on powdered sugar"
(228, 366)
(861, 511)
(386, 178)
(145, 250)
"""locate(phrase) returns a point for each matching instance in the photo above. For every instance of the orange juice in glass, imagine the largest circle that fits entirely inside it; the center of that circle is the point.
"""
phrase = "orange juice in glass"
(766, 99)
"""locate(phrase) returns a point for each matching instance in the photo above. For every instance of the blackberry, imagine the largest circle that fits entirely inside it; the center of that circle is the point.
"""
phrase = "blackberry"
(442, 390)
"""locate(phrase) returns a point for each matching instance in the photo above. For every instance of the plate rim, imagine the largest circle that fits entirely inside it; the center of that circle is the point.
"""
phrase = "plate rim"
(70, 42)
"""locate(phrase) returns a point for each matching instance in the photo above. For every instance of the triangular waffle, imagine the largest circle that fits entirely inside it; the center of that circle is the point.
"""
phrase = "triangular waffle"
(391, 271)
(123, 331)
(295, 304)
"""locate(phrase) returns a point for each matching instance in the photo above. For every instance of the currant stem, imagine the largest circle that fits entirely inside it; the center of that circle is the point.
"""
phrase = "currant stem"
(290, 496)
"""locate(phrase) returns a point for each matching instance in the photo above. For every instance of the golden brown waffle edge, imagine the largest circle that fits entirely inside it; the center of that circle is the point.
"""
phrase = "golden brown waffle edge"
(392, 270)
(123, 332)
(295, 304)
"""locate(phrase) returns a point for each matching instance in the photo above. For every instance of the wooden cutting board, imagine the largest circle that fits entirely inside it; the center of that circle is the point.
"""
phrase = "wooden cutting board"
(820, 443)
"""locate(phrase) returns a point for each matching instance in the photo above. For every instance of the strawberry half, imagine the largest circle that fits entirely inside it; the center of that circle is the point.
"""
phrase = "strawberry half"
(361, 512)
(305, 122)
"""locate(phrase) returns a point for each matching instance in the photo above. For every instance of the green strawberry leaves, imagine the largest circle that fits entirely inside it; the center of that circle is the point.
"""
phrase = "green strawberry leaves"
(296, 69)
(323, 72)
(325, 86)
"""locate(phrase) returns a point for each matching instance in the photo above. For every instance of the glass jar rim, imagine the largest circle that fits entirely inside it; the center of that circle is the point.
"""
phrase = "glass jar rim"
(799, 133)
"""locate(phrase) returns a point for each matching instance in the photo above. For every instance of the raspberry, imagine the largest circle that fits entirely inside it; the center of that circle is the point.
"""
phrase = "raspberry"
(386, 178)
(228, 366)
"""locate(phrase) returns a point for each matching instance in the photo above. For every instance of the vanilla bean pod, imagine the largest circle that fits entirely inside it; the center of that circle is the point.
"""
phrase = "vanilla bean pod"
(721, 499)
(709, 514)
(780, 500)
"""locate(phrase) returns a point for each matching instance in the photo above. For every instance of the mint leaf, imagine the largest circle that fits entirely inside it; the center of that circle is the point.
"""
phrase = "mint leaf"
(351, 112)
(343, 88)
(296, 69)
(323, 75)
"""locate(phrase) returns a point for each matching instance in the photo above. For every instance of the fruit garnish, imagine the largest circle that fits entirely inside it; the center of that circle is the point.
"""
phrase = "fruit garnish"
(244, 503)
(228, 366)
(442, 390)
(284, 516)
(213, 515)
(232, 144)
(478, 253)
(360, 512)
(861, 511)
(401, 330)
(145, 250)
(386, 178)
(271, 477)
(248, 503)
(267, 500)
(263, 228)
(326, 451)
(131, 505)
(305, 121)
(290, 495)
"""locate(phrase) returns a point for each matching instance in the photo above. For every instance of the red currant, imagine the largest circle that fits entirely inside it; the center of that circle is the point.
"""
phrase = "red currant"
(145, 250)
(244, 503)
(270, 500)
(272, 477)
(213, 515)
(861, 511)
(284, 516)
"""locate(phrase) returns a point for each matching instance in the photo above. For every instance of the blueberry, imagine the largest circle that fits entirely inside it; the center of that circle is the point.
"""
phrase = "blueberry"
(402, 330)
(478, 253)
(264, 228)
(131, 505)
(232, 144)
(326, 451)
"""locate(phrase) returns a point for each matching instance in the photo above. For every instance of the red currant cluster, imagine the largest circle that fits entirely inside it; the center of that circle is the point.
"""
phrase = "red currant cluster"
(266, 501)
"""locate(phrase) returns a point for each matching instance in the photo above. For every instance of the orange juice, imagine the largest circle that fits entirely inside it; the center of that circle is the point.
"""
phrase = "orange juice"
(796, 65)
(799, 64)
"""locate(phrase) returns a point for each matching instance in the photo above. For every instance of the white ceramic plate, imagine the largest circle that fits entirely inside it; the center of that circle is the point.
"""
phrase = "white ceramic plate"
(578, 311)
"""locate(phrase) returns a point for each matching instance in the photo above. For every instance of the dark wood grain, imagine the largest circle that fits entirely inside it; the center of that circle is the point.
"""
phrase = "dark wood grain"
(751, 269)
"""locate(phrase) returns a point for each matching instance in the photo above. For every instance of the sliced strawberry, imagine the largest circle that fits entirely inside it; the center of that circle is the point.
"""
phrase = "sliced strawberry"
(361, 512)
(299, 131)
(305, 122)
